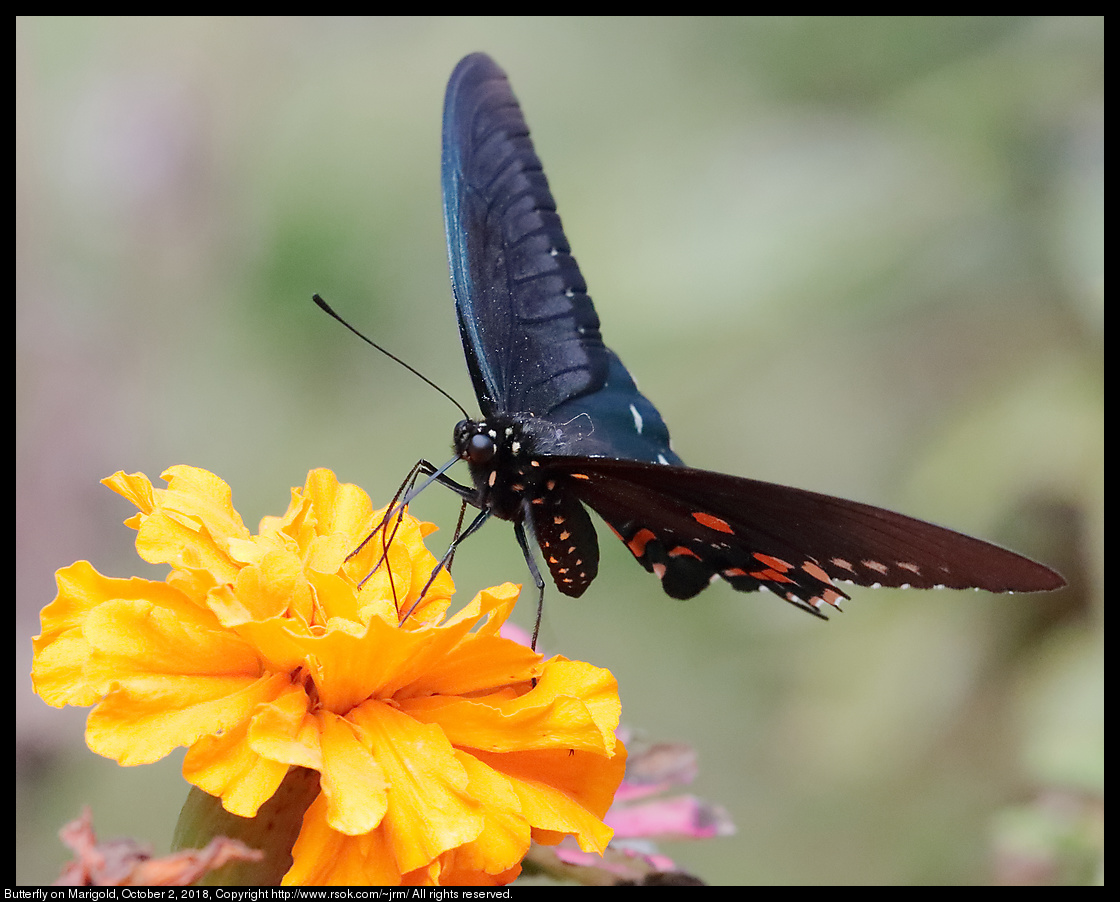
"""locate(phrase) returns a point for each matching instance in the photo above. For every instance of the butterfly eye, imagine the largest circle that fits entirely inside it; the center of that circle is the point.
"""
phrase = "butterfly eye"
(480, 449)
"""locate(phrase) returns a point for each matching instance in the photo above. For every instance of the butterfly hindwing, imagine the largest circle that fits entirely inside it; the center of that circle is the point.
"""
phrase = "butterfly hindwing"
(690, 525)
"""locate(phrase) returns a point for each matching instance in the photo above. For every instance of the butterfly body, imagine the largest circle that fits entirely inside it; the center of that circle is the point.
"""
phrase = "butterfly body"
(564, 425)
(514, 480)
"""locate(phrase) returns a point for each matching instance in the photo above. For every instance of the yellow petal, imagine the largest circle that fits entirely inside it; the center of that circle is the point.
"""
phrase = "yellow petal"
(339, 507)
(188, 524)
(285, 730)
(283, 644)
(136, 487)
(594, 686)
(225, 765)
(573, 706)
(202, 496)
(495, 603)
(505, 835)
(335, 597)
(62, 650)
(477, 663)
(140, 637)
(564, 792)
(349, 667)
(168, 538)
(324, 857)
(81, 589)
(158, 714)
(59, 671)
(353, 780)
(429, 809)
(272, 587)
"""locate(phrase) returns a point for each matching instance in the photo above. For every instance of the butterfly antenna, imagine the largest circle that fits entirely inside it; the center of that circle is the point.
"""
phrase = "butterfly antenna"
(326, 308)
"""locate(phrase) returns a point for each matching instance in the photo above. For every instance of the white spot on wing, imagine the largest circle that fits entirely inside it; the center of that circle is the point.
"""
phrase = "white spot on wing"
(637, 419)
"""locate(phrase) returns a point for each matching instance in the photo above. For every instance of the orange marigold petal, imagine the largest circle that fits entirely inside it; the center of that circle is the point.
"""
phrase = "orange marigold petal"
(149, 720)
(429, 809)
(200, 494)
(563, 792)
(505, 835)
(136, 487)
(324, 857)
(225, 765)
(477, 664)
(62, 650)
(353, 780)
(271, 588)
(167, 538)
(339, 507)
(285, 730)
(142, 638)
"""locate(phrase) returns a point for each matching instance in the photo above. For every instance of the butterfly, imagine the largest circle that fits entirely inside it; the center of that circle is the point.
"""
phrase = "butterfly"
(564, 428)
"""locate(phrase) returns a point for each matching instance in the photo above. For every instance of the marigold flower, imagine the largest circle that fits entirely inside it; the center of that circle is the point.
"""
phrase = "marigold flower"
(442, 748)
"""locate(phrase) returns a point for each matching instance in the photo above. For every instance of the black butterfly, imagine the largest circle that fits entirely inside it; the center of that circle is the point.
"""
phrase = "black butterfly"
(563, 424)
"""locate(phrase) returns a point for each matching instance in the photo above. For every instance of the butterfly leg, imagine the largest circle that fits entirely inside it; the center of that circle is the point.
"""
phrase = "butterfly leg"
(475, 524)
(427, 468)
(519, 528)
(387, 538)
(435, 474)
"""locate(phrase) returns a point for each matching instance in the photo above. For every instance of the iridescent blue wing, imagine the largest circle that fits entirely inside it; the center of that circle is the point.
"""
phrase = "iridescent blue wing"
(530, 332)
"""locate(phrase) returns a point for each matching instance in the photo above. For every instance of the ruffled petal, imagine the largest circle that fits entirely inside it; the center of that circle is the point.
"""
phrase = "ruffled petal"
(322, 856)
(429, 808)
(353, 779)
(155, 716)
(563, 793)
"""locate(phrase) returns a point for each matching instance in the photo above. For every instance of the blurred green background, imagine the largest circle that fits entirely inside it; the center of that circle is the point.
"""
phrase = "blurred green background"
(862, 256)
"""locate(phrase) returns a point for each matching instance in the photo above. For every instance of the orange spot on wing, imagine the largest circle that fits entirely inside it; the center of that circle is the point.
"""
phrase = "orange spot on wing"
(771, 576)
(712, 522)
(775, 562)
(816, 572)
(638, 543)
(681, 550)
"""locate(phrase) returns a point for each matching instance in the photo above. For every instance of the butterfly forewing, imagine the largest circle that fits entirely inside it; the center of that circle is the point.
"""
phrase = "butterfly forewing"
(530, 333)
(529, 330)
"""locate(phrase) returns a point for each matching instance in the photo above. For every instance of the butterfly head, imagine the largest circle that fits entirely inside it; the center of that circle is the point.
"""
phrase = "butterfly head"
(475, 443)
(504, 468)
